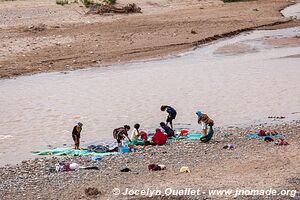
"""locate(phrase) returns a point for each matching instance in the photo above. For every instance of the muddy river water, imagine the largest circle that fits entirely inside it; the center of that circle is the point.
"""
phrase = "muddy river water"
(238, 81)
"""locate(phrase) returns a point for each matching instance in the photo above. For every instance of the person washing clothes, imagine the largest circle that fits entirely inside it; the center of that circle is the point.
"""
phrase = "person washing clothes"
(144, 136)
(159, 138)
(76, 134)
(172, 114)
(120, 133)
(135, 133)
(170, 132)
(205, 122)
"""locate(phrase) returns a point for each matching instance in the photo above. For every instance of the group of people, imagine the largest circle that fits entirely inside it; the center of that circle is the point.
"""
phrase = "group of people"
(159, 138)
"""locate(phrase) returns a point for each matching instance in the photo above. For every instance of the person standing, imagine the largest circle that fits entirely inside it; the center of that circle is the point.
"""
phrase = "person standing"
(76, 134)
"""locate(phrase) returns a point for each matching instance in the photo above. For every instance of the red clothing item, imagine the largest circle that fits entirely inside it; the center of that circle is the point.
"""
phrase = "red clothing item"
(262, 133)
(144, 135)
(159, 138)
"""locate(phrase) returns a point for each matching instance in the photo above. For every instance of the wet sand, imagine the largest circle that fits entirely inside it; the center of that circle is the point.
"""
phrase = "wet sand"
(234, 49)
(70, 40)
(281, 42)
(293, 56)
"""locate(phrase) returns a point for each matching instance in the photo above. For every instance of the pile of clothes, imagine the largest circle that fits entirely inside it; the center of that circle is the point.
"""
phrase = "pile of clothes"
(156, 167)
(101, 149)
(267, 133)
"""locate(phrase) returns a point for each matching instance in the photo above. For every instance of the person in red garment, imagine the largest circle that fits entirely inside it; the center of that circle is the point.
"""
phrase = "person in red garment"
(144, 136)
(159, 138)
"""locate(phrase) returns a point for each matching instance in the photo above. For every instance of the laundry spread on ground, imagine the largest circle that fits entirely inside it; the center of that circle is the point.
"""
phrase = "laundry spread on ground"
(256, 136)
(102, 150)
(70, 151)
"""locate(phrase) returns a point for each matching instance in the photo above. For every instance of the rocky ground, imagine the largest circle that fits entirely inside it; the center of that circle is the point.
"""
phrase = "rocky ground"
(252, 164)
(40, 36)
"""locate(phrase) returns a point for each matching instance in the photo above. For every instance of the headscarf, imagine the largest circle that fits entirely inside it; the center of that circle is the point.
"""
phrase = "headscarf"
(199, 114)
(80, 124)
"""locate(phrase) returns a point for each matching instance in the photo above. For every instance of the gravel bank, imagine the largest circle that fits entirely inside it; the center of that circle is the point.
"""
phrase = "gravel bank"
(252, 164)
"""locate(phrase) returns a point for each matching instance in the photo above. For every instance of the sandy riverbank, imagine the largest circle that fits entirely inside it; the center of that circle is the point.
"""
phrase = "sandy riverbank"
(252, 164)
(71, 40)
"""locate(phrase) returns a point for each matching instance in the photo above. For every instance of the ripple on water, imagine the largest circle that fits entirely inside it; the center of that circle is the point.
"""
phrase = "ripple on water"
(3, 137)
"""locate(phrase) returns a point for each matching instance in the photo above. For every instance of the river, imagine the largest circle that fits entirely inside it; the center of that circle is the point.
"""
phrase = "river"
(238, 81)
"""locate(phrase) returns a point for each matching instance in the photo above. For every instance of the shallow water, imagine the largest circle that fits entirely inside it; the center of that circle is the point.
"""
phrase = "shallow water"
(292, 11)
(234, 89)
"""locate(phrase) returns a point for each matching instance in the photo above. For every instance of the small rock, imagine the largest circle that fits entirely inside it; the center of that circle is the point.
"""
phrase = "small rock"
(193, 32)
(92, 191)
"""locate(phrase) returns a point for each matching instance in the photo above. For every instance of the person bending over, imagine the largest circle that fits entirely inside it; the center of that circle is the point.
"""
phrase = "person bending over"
(159, 138)
(120, 133)
(167, 129)
(205, 122)
(171, 114)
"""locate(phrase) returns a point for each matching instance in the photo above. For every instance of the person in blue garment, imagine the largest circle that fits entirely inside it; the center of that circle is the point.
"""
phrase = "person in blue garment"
(171, 114)
(170, 132)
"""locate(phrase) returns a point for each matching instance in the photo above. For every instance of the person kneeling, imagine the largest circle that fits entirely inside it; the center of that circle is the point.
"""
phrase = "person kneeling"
(159, 138)
(205, 121)
(170, 132)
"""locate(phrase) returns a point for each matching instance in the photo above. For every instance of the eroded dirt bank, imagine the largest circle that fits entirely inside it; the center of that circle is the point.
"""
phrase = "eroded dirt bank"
(164, 28)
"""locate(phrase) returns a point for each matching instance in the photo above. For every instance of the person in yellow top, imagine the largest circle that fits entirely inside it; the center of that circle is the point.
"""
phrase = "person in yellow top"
(205, 121)
(136, 132)
(76, 134)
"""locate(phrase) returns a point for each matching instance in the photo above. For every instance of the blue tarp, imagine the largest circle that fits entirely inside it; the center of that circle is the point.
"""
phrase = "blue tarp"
(256, 136)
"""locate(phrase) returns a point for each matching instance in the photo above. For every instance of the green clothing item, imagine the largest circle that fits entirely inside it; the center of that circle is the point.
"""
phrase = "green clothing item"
(69, 151)
(209, 135)
(137, 142)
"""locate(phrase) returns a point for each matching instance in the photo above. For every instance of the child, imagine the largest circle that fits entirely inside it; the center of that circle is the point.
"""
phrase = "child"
(76, 134)
(159, 138)
(172, 114)
(120, 134)
(168, 130)
(205, 121)
(144, 136)
(135, 133)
